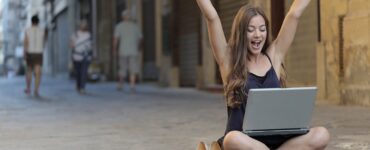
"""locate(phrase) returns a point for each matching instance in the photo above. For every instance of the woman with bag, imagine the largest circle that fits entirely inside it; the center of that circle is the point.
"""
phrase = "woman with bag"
(81, 55)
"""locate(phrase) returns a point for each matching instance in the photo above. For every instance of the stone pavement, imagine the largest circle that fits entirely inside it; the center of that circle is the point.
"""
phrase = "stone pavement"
(155, 118)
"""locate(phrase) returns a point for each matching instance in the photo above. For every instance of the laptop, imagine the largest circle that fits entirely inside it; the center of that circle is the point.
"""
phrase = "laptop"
(279, 111)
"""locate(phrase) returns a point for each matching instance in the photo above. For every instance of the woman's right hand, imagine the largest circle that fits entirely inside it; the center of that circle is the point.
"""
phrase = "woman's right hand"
(207, 9)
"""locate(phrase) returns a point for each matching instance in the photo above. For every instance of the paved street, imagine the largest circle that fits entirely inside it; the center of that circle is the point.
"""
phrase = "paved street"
(155, 118)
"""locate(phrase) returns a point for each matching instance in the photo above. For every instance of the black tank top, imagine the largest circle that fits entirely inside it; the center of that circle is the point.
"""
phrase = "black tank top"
(236, 115)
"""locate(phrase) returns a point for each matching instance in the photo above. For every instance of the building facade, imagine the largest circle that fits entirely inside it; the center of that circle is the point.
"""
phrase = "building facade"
(343, 54)
(13, 20)
(330, 50)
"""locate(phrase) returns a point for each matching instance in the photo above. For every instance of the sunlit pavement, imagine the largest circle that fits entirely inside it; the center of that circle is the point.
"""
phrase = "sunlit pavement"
(154, 118)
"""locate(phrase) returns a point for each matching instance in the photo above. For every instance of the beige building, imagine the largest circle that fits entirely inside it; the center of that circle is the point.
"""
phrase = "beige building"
(343, 54)
(330, 51)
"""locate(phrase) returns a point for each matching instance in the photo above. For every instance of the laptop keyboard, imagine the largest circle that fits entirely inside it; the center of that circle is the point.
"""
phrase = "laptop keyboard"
(277, 132)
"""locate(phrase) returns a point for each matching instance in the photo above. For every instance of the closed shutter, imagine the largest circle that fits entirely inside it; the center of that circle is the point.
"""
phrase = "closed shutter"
(188, 26)
(301, 58)
(62, 38)
(227, 10)
(150, 71)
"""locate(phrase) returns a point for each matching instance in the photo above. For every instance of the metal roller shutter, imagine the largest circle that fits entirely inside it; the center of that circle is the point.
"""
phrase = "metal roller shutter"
(227, 10)
(301, 58)
(188, 26)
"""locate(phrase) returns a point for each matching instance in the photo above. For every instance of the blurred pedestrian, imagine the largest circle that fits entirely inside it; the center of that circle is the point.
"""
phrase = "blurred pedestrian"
(81, 54)
(34, 41)
(127, 41)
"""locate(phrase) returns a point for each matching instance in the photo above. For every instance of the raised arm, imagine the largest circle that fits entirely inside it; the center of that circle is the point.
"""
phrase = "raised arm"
(216, 35)
(280, 46)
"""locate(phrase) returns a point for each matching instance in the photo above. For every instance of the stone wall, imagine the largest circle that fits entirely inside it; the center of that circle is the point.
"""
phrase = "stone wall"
(345, 50)
(356, 54)
(300, 61)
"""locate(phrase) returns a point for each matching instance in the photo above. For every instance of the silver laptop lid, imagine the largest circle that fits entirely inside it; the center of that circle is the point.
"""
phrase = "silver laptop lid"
(279, 108)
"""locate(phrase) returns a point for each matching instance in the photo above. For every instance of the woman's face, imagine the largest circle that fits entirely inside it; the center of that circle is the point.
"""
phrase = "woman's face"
(256, 34)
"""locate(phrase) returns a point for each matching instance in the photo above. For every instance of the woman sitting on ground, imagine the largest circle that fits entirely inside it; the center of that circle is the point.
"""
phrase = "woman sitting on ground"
(249, 61)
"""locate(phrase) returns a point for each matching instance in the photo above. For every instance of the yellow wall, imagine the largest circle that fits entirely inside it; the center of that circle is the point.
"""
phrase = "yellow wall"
(300, 61)
(352, 85)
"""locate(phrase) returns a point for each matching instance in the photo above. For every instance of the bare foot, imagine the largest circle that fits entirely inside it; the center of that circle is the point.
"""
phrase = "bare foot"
(27, 91)
(36, 94)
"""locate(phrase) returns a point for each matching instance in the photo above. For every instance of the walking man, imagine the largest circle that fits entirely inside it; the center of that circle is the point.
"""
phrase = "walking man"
(33, 49)
(127, 41)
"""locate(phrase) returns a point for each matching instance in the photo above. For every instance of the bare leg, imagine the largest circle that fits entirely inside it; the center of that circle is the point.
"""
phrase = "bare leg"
(28, 80)
(236, 140)
(121, 73)
(317, 139)
(120, 83)
(132, 82)
(37, 79)
(215, 146)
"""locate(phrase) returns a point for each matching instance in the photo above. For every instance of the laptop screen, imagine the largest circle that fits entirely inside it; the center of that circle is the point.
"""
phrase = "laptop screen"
(279, 108)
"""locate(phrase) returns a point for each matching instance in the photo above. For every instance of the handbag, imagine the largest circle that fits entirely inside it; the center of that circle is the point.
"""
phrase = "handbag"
(84, 52)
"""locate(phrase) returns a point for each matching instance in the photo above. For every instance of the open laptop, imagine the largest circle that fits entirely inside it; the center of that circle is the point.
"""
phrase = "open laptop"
(279, 111)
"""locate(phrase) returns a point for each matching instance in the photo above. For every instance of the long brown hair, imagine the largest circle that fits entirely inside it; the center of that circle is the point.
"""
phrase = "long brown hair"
(238, 46)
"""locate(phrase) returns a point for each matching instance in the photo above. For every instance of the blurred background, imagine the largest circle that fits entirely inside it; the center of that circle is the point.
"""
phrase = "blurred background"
(179, 100)
(331, 48)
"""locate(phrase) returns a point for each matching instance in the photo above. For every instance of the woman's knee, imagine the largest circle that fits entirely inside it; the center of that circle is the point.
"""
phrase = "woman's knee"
(232, 138)
(320, 138)
(237, 140)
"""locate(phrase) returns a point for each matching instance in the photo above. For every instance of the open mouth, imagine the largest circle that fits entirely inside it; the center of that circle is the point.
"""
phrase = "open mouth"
(256, 44)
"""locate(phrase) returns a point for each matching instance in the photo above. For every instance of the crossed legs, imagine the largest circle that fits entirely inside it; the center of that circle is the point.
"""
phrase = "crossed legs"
(317, 139)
